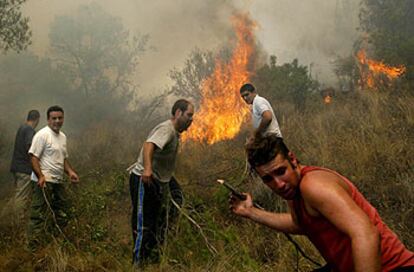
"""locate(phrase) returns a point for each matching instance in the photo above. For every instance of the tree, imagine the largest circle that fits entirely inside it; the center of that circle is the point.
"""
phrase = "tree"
(14, 28)
(389, 25)
(288, 82)
(26, 82)
(187, 82)
(347, 72)
(99, 56)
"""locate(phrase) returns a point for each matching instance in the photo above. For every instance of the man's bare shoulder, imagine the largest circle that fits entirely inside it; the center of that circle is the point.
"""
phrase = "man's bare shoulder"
(319, 177)
(321, 185)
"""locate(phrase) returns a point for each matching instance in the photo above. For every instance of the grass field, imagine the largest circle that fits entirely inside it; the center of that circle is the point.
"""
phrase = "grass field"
(367, 136)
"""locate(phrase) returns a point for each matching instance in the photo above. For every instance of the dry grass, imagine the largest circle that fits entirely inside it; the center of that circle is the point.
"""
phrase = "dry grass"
(368, 137)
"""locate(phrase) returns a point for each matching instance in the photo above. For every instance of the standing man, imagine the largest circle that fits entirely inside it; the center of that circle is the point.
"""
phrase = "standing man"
(263, 117)
(49, 159)
(20, 165)
(327, 208)
(152, 184)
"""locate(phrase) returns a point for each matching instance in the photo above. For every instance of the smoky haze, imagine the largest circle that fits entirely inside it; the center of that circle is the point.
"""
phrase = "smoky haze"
(315, 32)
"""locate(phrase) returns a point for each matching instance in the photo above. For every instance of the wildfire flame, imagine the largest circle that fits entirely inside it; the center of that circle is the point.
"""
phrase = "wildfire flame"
(222, 111)
(376, 68)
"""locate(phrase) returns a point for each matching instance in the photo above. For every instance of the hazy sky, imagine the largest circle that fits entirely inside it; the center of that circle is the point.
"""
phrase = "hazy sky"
(314, 31)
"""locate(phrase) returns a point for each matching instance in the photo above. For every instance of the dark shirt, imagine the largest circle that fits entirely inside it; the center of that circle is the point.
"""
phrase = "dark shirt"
(21, 160)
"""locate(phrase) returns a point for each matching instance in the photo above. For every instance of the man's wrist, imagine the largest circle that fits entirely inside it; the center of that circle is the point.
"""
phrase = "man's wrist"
(251, 214)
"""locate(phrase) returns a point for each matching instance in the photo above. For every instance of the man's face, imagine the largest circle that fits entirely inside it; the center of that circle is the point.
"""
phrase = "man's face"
(55, 120)
(248, 96)
(281, 175)
(185, 119)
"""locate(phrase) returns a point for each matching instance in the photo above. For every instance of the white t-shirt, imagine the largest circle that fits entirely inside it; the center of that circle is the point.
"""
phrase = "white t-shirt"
(50, 148)
(259, 106)
(166, 139)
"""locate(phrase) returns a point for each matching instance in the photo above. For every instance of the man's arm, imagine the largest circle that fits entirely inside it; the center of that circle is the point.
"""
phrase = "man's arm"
(36, 168)
(71, 173)
(148, 152)
(326, 194)
(279, 221)
(28, 137)
(266, 119)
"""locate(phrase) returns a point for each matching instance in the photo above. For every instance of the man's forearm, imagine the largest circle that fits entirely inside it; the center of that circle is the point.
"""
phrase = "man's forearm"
(279, 221)
(148, 154)
(264, 123)
(68, 168)
(36, 166)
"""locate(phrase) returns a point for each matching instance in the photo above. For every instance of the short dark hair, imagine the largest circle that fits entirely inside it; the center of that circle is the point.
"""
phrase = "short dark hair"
(180, 104)
(261, 150)
(54, 108)
(247, 87)
(33, 115)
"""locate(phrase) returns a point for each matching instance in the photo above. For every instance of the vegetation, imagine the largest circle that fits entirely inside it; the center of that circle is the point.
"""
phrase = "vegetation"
(388, 25)
(14, 27)
(289, 82)
(365, 136)
(98, 57)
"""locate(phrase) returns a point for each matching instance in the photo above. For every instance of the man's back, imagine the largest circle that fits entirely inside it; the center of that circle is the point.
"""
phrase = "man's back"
(259, 106)
(21, 160)
(166, 139)
(335, 246)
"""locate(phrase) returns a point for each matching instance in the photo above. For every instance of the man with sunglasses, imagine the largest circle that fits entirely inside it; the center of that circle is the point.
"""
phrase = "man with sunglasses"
(326, 207)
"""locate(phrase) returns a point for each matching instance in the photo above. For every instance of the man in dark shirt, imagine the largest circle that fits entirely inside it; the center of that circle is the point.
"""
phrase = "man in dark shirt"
(20, 165)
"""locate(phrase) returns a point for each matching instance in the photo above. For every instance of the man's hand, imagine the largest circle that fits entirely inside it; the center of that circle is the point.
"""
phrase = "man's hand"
(241, 207)
(41, 181)
(35, 161)
(257, 134)
(147, 176)
(74, 178)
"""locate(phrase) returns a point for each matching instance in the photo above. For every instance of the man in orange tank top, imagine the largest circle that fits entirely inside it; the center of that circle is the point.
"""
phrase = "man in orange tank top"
(327, 208)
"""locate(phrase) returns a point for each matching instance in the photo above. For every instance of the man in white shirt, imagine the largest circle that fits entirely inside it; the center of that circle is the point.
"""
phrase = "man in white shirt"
(49, 159)
(263, 116)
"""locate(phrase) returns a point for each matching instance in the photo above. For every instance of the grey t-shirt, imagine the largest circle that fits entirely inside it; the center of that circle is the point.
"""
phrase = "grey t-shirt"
(21, 159)
(166, 140)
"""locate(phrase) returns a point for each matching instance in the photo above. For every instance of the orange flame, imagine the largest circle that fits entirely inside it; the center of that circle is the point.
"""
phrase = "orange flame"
(222, 110)
(376, 68)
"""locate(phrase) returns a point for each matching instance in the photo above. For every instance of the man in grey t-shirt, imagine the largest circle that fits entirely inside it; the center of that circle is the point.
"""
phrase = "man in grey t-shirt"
(152, 182)
(263, 116)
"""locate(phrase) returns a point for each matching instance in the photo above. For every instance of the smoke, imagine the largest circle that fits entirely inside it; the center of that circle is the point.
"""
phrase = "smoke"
(315, 32)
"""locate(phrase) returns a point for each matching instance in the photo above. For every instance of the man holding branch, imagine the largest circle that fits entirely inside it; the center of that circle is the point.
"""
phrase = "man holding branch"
(49, 159)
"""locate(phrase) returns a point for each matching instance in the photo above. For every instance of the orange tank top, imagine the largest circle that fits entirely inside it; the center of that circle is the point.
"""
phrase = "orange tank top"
(335, 246)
